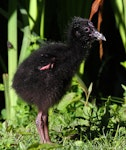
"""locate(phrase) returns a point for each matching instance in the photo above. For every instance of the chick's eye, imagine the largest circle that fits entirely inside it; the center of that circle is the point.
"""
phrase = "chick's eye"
(86, 29)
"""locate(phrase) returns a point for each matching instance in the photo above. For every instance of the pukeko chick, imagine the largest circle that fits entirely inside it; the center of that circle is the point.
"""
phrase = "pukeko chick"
(43, 78)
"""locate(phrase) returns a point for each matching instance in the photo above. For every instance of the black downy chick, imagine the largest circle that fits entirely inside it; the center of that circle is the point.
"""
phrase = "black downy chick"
(43, 78)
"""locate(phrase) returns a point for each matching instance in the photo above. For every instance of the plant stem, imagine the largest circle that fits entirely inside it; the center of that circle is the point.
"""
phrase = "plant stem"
(6, 93)
(42, 20)
(26, 37)
(12, 54)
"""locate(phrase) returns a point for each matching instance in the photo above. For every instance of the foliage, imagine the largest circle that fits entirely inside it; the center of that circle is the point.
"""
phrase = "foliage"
(77, 122)
(29, 20)
(73, 124)
(124, 86)
(70, 131)
(119, 8)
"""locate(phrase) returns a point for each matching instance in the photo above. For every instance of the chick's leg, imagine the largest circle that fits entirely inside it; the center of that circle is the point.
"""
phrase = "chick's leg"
(40, 127)
(46, 132)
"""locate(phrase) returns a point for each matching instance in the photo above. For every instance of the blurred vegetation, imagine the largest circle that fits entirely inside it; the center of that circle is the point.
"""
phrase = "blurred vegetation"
(93, 110)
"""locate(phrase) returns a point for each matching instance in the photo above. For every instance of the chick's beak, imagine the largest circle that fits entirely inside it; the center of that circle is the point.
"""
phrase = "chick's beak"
(98, 36)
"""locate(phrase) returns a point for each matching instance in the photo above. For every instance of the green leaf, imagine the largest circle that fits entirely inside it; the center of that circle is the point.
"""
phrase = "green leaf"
(90, 88)
(123, 64)
(119, 8)
(124, 87)
(4, 113)
(49, 146)
(67, 99)
(79, 143)
(1, 87)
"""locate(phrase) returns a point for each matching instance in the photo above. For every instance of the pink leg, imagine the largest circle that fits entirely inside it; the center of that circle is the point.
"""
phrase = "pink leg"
(42, 127)
(46, 132)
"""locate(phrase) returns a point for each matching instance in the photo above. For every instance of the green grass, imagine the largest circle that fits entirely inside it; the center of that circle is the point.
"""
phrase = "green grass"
(22, 138)
(73, 124)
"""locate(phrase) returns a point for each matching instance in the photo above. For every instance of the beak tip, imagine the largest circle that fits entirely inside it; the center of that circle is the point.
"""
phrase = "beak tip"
(103, 38)
(99, 36)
